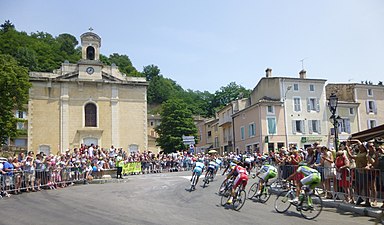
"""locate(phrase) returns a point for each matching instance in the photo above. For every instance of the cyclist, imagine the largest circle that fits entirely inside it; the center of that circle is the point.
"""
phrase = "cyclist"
(241, 177)
(248, 164)
(218, 164)
(198, 169)
(266, 172)
(211, 168)
(311, 179)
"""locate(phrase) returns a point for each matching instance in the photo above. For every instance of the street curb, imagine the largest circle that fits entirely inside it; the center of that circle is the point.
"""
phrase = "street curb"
(364, 211)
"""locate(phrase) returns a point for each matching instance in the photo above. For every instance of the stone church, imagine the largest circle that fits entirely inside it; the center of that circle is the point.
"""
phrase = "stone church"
(87, 103)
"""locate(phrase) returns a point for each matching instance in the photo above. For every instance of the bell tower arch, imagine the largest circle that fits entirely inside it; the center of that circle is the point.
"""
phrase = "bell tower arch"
(90, 46)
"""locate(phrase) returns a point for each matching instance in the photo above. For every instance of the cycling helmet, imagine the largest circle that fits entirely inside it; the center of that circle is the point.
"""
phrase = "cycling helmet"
(235, 161)
(265, 162)
(200, 160)
(302, 163)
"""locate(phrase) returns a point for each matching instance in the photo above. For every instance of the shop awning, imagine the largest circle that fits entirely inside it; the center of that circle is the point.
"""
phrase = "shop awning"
(373, 133)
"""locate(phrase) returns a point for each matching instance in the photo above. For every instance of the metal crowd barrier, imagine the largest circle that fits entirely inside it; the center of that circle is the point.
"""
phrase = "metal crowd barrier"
(23, 181)
(345, 184)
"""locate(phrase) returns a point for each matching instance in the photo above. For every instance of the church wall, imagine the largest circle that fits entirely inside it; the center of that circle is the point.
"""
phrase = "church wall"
(43, 118)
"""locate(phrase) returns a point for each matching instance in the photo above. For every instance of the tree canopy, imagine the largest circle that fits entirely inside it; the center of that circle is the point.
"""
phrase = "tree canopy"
(14, 86)
(176, 121)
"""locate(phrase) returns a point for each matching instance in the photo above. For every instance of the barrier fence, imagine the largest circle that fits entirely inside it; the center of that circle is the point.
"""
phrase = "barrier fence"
(348, 184)
(25, 181)
(344, 184)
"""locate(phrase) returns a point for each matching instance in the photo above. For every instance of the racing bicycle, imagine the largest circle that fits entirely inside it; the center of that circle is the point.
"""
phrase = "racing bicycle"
(208, 177)
(309, 205)
(238, 199)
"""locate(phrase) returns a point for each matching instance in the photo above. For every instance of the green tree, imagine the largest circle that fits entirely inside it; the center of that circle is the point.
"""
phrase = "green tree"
(229, 93)
(162, 89)
(176, 121)
(6, 26)
(67, 43)
(124, 64)
(14, 86)
(151, 71)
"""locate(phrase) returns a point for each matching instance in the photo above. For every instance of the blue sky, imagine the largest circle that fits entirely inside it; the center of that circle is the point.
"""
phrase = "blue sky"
(204, 45)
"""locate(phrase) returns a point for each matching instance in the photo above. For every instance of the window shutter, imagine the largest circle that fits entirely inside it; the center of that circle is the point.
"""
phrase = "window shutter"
(310, 129)
(339, 125)
(17, 114)
(302, 126)
(294, 126)
(308, 105)
(374, 107)
(318, 126)
(368, 124)
(24, 115)
(367, 105)
(317, 105)
(348, 126)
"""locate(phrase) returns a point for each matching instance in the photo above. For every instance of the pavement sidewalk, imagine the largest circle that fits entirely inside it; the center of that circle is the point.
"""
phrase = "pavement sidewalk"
(348, 207)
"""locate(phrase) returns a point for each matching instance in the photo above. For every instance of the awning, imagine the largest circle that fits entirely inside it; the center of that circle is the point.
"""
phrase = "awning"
(366, 135)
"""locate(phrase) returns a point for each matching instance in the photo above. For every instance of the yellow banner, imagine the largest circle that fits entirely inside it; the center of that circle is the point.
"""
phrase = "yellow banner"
(132, 167)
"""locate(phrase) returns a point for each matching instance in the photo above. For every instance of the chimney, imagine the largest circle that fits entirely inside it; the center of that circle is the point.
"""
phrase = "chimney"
(268, 72)
(303, 74)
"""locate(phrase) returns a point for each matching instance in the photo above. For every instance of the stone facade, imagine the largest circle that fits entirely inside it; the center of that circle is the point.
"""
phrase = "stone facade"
(87, 102)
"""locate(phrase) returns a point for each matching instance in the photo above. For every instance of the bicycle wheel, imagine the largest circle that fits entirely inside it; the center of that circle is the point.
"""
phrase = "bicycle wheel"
(239, 201)
(193, 182)
(282, 202)
(253, 190)
(265, 194)
(222, 187)
(224, 198)
(311, 207)
(206, 180)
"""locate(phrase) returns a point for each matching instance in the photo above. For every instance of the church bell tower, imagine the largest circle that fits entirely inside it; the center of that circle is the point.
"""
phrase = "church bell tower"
(90, 65)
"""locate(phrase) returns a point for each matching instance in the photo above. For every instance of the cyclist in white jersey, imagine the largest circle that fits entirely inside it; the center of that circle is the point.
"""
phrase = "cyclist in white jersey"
(198, 169)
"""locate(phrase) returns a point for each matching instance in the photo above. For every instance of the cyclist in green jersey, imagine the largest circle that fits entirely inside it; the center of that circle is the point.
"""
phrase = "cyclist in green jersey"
(311, 178)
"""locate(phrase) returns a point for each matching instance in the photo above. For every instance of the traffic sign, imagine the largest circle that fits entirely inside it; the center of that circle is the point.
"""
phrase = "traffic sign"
(188, 140)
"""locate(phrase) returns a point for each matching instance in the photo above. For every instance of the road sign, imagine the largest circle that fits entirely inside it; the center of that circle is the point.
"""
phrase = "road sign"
(188, 140)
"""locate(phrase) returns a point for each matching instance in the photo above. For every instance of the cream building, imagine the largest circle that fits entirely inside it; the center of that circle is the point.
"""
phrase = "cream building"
(283, 111)
(359, 106)
(87, 102)
(208, 131)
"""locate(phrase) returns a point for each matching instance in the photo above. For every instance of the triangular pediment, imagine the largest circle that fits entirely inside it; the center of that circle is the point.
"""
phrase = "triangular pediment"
(70, 75)
(109, 77)
(75, 74)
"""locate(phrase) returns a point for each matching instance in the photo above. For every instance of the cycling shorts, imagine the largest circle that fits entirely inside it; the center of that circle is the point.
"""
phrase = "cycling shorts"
(198, 171)
(311, 180)
(242, 177)
(268, 175)
(211, 168)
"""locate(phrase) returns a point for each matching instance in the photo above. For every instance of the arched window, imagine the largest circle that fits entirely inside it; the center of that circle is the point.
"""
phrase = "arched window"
(90, 115)
(90, 53)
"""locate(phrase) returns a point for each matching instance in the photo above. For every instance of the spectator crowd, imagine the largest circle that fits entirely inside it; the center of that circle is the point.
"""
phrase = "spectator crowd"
(354, 173)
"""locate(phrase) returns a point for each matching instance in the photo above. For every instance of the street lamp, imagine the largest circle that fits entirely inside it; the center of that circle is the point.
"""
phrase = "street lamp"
(332, 103)
(285, 115)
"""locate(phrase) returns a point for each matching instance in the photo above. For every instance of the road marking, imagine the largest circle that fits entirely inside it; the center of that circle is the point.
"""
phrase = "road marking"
(186, 177)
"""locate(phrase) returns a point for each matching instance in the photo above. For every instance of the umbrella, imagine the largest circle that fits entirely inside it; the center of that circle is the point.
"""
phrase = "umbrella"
(212, 151)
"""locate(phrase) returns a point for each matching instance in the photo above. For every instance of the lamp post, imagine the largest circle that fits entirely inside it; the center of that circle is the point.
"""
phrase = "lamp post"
(332, 103)
(285, 115)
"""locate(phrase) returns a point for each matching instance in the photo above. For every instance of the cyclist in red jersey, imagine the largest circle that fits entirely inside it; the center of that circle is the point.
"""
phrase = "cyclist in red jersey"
(241, 177)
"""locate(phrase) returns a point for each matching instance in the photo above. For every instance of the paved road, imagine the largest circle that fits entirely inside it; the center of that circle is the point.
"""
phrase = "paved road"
(150, 199)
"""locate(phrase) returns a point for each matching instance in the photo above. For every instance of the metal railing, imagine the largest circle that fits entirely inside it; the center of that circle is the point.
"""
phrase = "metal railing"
(347, 184)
